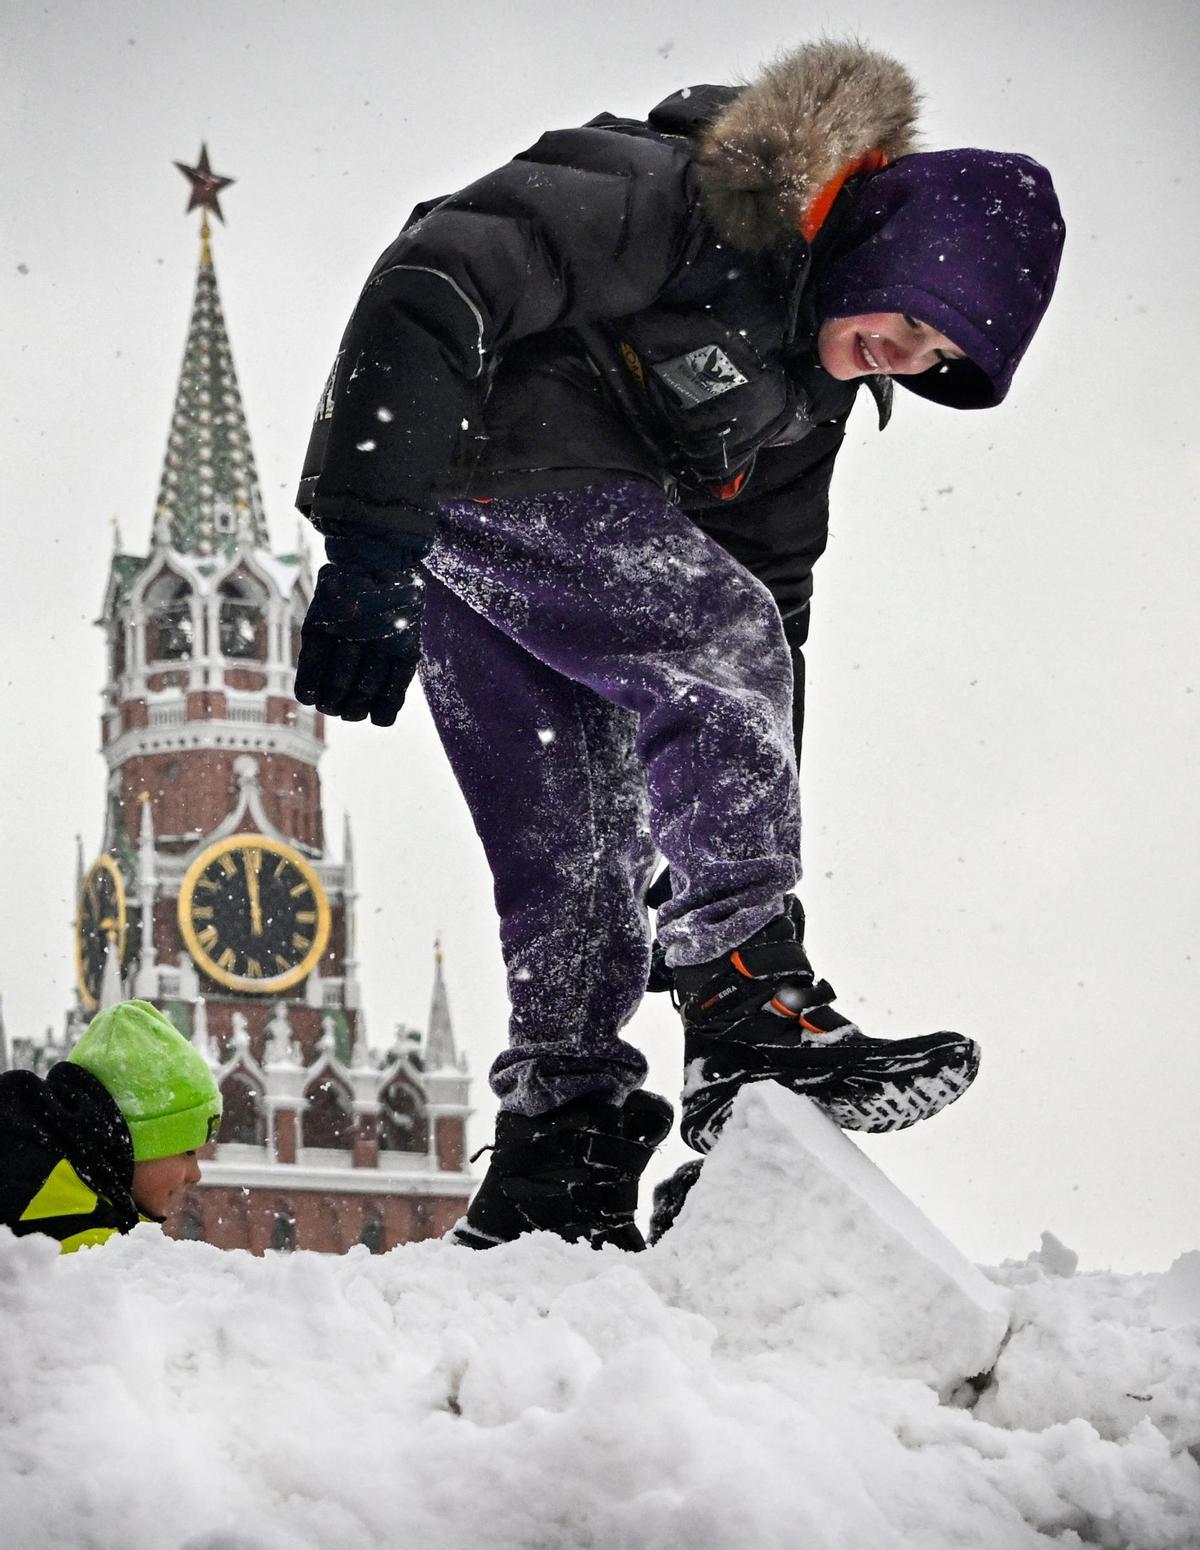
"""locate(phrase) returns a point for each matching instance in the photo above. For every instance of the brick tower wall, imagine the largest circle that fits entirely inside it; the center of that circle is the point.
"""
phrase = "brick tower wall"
(192, 790)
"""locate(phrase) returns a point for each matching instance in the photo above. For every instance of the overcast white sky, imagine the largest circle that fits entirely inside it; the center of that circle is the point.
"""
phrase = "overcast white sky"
(1000, 782)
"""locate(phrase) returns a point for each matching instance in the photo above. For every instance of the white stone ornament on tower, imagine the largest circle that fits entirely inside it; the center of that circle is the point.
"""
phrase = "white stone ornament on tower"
(189, 980)
(365, 1076)
(285, 1080)
(146, 983)
(201, 1038)
(360, 1054)
(112, 992)
(279, 1049)
(240, 1042)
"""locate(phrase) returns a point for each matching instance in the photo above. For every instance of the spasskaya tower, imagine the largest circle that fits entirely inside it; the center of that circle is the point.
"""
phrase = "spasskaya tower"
(214, 895)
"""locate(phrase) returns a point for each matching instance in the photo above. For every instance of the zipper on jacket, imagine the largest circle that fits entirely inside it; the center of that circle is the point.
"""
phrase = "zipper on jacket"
(796, 277)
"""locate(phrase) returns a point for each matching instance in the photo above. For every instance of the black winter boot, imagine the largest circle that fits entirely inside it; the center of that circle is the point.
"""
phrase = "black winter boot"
(573, 1171)
(758, 1014)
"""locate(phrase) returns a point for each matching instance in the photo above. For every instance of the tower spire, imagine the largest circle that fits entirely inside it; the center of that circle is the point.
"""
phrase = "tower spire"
(209, 500)
(439, 1041)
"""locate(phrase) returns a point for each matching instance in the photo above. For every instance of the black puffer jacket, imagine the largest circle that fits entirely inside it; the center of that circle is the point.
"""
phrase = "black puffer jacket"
(66, 1158)
(600, 307)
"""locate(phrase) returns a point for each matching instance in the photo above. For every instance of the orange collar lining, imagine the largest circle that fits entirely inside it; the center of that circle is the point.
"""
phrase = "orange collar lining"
(814, 217)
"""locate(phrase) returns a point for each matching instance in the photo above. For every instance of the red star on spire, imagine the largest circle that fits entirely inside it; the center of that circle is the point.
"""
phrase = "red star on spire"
(206, 185)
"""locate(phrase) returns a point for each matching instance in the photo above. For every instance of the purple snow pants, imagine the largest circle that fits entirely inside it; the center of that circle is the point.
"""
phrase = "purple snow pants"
(608, 684)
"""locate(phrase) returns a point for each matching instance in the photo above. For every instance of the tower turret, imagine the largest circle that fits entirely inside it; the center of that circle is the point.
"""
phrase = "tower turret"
(446, 1081)
(440, 1053)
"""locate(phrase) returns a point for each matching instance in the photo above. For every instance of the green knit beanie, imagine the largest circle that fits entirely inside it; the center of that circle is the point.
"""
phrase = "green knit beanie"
(162, 1086)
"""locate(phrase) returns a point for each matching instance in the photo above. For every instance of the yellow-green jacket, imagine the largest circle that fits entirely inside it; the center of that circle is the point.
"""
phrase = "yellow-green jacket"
(66, 1158)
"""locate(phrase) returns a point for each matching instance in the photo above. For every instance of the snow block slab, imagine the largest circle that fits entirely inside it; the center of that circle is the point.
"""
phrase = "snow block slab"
(792, 1237)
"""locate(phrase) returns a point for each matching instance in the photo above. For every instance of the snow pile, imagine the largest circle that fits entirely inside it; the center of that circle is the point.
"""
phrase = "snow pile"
(732, 1387)
(853, 1269)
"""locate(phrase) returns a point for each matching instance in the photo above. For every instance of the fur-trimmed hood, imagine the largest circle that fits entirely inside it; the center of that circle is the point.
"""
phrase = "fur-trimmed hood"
(967, 240)
(811, 117)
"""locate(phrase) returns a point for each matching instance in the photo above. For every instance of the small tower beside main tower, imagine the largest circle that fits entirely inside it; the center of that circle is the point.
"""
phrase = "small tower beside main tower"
(214, 895)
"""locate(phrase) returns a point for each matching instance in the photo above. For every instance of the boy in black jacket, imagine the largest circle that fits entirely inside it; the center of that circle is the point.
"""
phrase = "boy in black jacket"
(575, 456)
(109, 1137)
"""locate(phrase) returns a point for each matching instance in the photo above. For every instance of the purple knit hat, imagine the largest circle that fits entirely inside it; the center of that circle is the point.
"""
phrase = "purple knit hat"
(967, 241)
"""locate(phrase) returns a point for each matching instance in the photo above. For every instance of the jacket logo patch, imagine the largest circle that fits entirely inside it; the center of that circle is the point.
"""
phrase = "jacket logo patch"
(699, 375)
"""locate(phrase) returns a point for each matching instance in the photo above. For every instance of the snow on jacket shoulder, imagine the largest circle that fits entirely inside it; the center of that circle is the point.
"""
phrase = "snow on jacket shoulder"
(66, 1158)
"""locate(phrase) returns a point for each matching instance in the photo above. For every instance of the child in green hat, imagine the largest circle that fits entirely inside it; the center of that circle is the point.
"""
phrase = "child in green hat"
(109, 1137)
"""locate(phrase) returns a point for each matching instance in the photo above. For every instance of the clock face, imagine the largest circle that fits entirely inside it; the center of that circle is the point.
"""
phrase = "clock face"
(253, 914)
(101, 919)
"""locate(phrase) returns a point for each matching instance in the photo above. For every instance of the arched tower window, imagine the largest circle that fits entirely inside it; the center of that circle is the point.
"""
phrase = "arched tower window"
(241, 626)
(117, 650)
(328, 1118)
(169, 625)
(243, 1120)
(402, 1126)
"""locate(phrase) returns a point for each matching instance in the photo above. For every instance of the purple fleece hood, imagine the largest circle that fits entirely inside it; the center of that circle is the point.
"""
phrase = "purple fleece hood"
(967, 241)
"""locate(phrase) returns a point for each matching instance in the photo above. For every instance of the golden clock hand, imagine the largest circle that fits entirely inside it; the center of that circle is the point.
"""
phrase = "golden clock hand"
(253, 862)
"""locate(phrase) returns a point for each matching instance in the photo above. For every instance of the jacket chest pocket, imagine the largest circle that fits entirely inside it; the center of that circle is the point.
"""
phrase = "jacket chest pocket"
(713, 399)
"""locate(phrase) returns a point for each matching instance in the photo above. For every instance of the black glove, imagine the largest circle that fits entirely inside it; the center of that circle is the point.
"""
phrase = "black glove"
(361, 638)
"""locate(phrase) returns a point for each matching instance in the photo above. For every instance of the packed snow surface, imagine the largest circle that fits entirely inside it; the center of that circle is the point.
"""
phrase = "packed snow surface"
(786, 1369)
